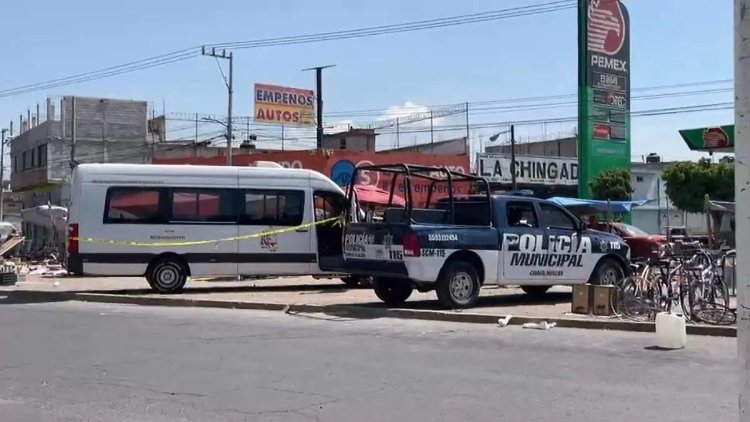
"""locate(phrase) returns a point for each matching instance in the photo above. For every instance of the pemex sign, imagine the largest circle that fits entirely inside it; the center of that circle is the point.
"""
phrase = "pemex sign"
(603, 89)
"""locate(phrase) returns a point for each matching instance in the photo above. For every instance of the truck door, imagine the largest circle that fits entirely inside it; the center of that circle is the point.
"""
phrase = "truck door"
(570, 256)
(524, 243)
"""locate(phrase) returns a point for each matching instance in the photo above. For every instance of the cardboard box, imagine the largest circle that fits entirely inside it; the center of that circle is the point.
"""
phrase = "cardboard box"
(604, 298)
(581, 302)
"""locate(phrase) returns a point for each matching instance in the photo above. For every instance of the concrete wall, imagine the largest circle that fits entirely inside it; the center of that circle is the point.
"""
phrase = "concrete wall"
(106, 131)
(357, 140)
(452, 146)
(564, 147)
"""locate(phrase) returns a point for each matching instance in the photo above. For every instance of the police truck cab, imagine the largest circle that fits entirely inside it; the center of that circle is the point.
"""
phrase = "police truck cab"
(454, 243)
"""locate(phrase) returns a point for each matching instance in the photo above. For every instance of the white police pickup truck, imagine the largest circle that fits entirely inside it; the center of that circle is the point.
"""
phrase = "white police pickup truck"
(462, 242)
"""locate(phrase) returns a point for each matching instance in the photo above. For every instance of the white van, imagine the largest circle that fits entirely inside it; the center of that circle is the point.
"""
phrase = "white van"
(164, 207)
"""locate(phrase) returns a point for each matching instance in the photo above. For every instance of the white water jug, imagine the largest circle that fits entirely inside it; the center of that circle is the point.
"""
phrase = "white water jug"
(671, 330)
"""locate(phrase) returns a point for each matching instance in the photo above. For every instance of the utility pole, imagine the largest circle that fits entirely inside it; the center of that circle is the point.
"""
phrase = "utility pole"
(230, 90)
(432, 135)
(72, 133)
(2, 174)
(513, 157)
(319, 101)
(467, 126)
(742, 195)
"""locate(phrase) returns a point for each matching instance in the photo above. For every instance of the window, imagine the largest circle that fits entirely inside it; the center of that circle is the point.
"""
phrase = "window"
(273, 208)
(15, 164)
(329, 205)
(133, 206)
(638, 178)
(23, 161)
(204, 205)
(342, 143)
(32, 158)
(632, 230)
(41, 152)
(521, 214)
(557, 218)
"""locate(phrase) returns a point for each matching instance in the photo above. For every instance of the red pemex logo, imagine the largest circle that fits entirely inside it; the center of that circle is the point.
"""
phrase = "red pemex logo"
(606, 27)
(715, 137)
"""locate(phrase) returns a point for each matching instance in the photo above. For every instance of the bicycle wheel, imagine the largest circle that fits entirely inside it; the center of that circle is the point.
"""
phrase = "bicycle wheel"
(635, 302)
(711, 308)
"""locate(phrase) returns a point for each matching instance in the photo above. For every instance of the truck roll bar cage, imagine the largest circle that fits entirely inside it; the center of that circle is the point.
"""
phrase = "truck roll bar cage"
(422, 172)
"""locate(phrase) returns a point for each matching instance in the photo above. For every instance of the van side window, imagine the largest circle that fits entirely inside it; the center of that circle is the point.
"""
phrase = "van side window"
(272, 207)
(202, 205)
(556, 218)
(133, 206)
(521, 214)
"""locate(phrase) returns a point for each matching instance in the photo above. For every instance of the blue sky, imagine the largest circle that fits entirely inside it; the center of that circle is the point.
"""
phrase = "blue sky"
(672, 42)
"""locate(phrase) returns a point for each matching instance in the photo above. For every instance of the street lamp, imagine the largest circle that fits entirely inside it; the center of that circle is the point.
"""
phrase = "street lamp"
(512, 131)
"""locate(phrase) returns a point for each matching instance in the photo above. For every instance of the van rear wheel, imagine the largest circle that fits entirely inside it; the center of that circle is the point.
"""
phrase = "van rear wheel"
(167, 275)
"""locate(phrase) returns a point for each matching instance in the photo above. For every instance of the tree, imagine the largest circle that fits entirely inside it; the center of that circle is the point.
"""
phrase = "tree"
(687, 183)
(614, 185)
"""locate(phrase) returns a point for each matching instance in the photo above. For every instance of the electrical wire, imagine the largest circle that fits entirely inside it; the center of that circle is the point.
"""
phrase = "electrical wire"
(192, 52)
(404, 27)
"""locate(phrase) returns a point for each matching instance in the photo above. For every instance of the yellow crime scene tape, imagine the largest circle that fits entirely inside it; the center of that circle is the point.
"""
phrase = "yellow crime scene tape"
(335, 220)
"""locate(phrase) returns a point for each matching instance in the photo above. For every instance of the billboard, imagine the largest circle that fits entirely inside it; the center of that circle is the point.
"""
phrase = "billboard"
(284, 106)
(530, 170)
(603, 89)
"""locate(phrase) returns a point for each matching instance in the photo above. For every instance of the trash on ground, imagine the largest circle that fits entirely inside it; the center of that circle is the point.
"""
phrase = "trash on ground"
(503, 322)
(544, 325)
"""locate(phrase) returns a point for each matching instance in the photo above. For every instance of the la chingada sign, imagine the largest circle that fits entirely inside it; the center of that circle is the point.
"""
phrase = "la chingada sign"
(284, 106)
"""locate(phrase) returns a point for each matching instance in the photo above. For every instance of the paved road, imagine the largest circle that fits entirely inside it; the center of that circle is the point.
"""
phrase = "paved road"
(88, 362)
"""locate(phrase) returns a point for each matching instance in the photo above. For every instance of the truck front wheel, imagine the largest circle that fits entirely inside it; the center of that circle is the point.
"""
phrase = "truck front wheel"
(458, 286)
(392, 291)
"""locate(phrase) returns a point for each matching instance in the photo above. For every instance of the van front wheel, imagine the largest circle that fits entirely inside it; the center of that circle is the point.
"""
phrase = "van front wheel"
(167, 275)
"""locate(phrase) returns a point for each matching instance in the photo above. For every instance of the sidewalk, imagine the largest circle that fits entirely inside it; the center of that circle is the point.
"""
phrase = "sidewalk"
(304, 290)
(309, 295)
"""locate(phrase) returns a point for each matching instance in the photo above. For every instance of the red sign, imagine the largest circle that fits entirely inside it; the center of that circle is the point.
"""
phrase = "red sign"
(715, 137)
(606, 27)
(601, 131)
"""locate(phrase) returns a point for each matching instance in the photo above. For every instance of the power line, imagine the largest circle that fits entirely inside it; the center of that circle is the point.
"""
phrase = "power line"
(534, 9)
(188, 53)
(369, 112)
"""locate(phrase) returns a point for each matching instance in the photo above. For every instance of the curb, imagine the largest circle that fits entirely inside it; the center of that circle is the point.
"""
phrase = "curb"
(364, 312)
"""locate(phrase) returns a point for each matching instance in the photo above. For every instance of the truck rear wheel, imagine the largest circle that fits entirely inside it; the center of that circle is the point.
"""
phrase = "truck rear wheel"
(392, 291)
(458, 286)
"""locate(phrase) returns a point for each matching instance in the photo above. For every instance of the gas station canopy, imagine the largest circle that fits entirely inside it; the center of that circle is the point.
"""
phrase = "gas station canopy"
(710, 139)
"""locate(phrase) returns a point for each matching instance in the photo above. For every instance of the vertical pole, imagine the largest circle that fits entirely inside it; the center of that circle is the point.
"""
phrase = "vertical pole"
(467, 127)
(229, 121)
(73, 132)
(513, 157)
(319, 105)
(398, 134)
(282, 137)
(432, 134)
(741, 195)
(2, 174)
(196, 128)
